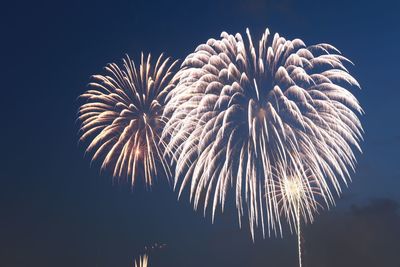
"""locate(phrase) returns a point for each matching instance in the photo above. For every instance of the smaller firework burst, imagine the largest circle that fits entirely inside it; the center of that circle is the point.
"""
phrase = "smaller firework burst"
(123, 118)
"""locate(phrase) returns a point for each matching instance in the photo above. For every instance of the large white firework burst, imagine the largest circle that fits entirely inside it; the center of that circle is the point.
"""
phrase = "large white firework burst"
(122, 115)
(251, 117)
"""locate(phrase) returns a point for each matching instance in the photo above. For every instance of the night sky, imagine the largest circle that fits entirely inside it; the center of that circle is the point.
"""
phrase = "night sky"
(56, 210)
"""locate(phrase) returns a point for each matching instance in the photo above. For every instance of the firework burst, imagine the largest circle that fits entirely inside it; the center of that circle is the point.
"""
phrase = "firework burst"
(248, 117)
(122, 115)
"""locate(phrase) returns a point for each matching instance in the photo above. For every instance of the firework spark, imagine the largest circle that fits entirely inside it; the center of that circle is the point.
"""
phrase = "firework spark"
(123, 116)
(142, 261)
(248, 117)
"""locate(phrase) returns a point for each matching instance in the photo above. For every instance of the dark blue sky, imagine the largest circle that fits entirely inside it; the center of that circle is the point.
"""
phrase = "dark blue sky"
(57, 211)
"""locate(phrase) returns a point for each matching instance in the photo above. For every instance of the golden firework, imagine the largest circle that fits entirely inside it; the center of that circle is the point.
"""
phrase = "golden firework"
(123, 116)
